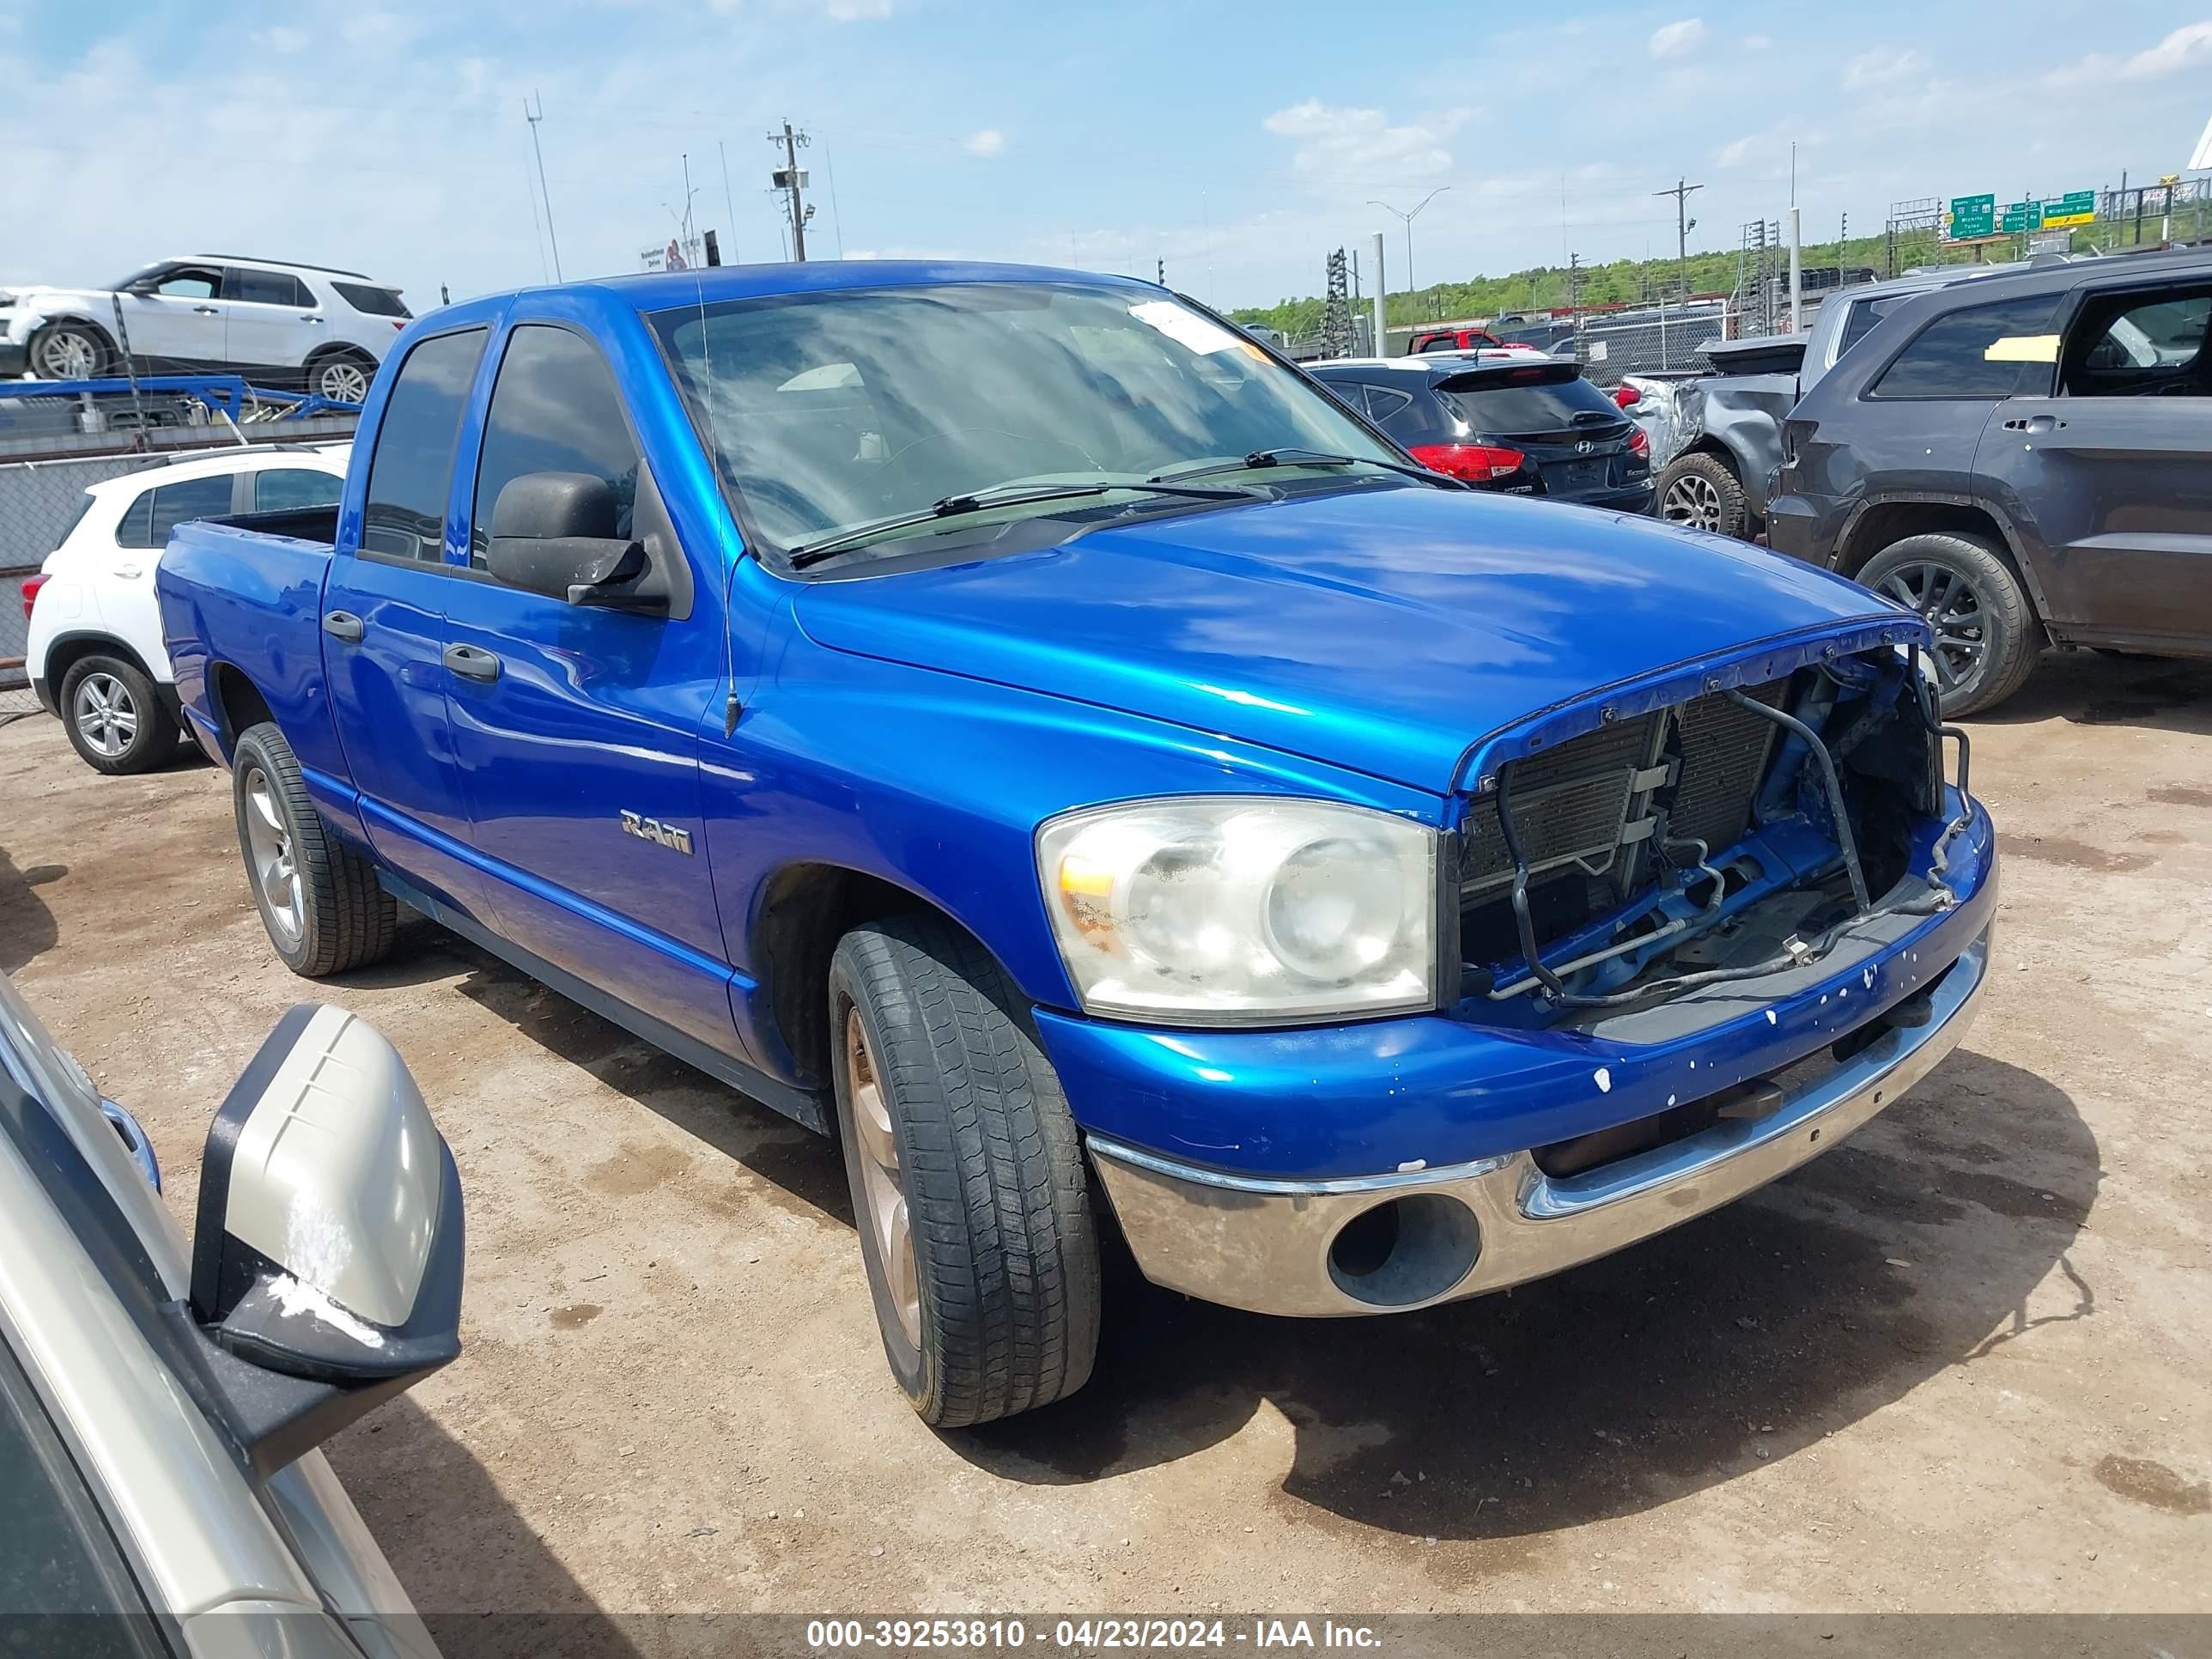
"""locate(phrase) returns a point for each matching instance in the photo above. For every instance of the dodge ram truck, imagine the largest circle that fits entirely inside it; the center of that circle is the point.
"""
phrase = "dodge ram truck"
(1012, 722)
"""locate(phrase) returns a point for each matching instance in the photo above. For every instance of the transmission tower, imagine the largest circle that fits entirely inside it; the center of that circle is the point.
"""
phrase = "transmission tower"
(1336, 311)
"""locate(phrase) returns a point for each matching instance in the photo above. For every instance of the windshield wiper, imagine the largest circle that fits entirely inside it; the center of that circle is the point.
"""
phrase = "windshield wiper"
(1295, 456)
(980, 500)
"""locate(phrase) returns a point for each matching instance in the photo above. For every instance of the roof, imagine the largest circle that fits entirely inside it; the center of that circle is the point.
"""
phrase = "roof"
(249, 262)
(663, 290)
(1440, 365)
(320, 458)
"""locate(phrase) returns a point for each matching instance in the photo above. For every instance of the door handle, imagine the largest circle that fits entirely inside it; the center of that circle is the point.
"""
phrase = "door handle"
(128, 572)
(343, 625)
(470, 664)
(311, 320)
(2034, 423)
(206, 311)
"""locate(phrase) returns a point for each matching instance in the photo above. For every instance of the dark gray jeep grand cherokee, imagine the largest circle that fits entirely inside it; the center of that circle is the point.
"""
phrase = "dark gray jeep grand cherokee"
(2023, 461)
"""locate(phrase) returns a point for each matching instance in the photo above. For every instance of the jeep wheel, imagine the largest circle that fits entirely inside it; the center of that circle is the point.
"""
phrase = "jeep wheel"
(967, 1176)
(319, 897)
(115, 718)
(1699, 490)
(1986, 634)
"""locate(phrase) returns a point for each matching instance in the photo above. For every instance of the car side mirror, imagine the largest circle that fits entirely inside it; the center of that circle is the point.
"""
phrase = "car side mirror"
(327, 1251)
(554, 533)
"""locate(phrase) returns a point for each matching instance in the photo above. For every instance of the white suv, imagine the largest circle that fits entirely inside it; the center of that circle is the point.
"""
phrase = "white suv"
(285, 324)
(94, 651)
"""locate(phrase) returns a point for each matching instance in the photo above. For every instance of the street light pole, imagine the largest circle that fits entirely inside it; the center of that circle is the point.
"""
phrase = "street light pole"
(1408, 220)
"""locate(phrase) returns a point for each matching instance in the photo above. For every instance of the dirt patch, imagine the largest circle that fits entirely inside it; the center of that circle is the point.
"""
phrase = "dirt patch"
(2153, 1485)
(2175, 794)
(2074, 855)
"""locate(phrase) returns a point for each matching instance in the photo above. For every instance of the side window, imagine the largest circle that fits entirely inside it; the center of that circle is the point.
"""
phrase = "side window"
(554, 409)
(266, 288)
(1865, 315)
(281, 488)
(189, 283)
(1989, 352)
(1441, 343)
(137, 529)
(1383, 403)
(2140, 344)
(411, 469)
(193, 498)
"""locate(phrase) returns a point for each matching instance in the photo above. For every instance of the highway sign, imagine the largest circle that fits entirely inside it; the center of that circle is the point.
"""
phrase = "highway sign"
(1973, 215)
(2076, 207)
(2017, 216)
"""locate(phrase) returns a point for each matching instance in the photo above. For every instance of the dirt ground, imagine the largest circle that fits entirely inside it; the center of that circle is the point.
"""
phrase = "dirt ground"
(1959, 1364)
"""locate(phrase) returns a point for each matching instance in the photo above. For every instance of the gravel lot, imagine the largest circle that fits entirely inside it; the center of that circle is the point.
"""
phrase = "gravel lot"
(1958, 1365)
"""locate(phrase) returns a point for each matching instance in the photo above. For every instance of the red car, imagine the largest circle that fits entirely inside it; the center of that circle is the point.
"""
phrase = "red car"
(1452, 339)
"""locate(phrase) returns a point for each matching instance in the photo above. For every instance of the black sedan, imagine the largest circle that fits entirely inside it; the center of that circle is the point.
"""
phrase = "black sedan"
(1506, 421)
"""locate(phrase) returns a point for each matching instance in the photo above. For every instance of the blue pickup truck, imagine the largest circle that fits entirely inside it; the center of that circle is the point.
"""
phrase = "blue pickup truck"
(1013, 721)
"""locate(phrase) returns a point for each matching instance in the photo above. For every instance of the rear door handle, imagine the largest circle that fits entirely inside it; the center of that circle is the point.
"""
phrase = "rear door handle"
(470, 664)
(343, 625)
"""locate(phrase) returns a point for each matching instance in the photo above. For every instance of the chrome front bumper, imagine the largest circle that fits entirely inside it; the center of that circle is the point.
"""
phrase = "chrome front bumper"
(1273, 1246)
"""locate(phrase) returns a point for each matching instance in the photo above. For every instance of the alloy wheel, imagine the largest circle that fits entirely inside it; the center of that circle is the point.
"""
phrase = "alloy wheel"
(1693, 500)
(107, 717)
(1947, 601)
(342, 382)
(269, 846)
(882, 1179)
(66, 355)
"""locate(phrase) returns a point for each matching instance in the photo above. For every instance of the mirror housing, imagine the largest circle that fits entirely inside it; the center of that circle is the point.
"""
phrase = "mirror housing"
(328, 1248)
(555, 533)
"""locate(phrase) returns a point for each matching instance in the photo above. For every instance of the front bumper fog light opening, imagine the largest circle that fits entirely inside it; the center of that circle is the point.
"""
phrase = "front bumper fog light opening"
(1404, 1251)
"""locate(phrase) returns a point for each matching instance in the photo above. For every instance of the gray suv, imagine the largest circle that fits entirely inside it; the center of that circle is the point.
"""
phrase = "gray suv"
(2022, 459)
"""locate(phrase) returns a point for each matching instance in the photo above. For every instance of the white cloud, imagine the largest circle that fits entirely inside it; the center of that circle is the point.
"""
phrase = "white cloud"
(1678, 39)
(2186, 47)
(283, 39)
(1880, 67)
(989, 141)
(1757, 42)
(378, 29)
(1343, 143)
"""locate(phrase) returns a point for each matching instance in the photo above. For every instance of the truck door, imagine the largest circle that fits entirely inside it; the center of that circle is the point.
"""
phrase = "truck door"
(578, 728)
(384, 623)
(2115, 471)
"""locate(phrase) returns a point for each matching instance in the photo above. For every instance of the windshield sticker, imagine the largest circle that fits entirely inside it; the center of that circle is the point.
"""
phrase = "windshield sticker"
(1185, 328)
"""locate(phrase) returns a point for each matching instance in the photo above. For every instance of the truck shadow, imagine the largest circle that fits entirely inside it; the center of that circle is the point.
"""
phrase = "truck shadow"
(1741, 1338)
(2087, 687)
(484, 1581)
(26, 926)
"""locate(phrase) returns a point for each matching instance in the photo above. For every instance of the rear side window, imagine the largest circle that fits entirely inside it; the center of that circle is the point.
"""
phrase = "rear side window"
(281, 488)
(1545, 398)
(1988, 352)
(554, 409)
(162, 508)
(1383, 403)
(411, 469)
(1864, 315)
(83, 506)
(267, 288)
(373, 302)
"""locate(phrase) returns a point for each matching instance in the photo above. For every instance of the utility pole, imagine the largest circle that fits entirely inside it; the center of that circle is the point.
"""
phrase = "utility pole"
(1683, 225)
(551, 235)
(792, 181)
(1160, 273)
(728, 206)
(1379, 346)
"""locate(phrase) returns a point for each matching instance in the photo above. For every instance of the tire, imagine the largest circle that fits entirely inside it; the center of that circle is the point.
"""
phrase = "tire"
(319, 898)
(1701, 490)
(342, 376)
(936, 1061)
(116, 720)
(70, 351)
(1968, 581)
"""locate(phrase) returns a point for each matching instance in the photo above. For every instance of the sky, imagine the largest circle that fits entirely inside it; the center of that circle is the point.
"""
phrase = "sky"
(1237, 144)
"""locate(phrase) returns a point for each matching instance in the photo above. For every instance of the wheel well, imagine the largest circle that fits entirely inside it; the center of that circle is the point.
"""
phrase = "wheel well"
(1892, 521)
(805, 910)
(1711, 445)
(340, 349)
(236, 703)
(65, 654)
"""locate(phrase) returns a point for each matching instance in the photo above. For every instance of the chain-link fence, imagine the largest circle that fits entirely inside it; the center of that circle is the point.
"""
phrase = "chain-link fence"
(39, 502)
(1611, 347)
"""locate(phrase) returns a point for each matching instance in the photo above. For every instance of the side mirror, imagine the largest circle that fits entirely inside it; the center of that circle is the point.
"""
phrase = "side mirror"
(554, 533)
(327, 1252)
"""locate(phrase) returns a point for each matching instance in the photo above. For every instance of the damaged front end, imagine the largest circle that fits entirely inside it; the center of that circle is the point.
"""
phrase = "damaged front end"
(1748, 830)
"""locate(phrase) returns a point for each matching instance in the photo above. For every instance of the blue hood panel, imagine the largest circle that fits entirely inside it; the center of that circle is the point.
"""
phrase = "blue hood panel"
(1383, 629)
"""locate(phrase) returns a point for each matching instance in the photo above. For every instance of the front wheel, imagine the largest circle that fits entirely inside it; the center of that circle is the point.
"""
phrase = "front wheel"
(69, 351)
(967, 1176)
(319, 898)
(1986, 635)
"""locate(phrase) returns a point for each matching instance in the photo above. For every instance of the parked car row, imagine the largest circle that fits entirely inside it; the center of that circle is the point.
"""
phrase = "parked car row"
(277, 323)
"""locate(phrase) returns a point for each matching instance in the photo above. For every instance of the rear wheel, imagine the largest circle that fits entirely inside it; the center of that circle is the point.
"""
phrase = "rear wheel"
(967, 1176)
(319, 898)
(117, 721)
(1699, 490)
(1986, 635)
(343, 377)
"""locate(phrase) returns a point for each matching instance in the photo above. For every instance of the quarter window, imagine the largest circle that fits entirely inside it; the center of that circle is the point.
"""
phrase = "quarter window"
(554, 409)
(284, 489)
(1988, 352)
(162, 508)
(411, 470)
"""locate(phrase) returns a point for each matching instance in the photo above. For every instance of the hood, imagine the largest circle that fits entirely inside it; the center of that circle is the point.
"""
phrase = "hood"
(1383, 630)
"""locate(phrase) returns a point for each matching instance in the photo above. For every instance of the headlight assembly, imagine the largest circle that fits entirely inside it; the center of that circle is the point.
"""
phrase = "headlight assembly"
(1222, 910)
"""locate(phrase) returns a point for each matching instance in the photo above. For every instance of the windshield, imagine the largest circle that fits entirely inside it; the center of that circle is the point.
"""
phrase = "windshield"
(832, 411)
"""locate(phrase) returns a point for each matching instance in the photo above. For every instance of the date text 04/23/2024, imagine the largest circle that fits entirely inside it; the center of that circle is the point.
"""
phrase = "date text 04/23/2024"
(1086, 1635)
